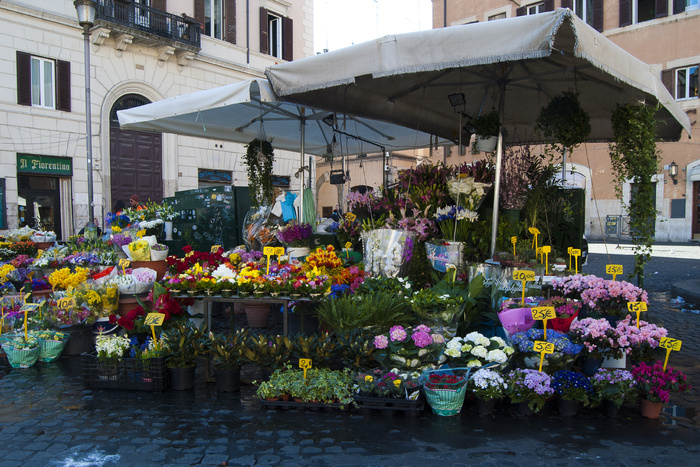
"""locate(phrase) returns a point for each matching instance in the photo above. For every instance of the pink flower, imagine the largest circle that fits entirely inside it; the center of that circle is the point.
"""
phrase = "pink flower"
(381, 342)
(421, 339)
(397, 333)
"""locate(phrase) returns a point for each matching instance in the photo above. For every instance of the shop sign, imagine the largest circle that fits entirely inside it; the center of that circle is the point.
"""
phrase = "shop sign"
(44, 165)
(209, 175)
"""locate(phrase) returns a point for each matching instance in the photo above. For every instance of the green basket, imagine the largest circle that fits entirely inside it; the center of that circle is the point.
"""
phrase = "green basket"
(21, 358)
(448, 401)
(50, 350)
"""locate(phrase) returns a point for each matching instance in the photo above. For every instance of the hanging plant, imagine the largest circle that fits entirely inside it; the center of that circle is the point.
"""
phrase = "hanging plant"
(564, 122)
(259, 158)
(487, 125)
(635, 158)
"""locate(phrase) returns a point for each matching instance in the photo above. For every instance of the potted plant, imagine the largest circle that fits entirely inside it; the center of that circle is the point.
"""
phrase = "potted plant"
(159, 252)
(614, 387)
(564, 122)
(565, 351)
(183, 344)
(566, 309)
(411, 349)
(488, 386)
(295, 236)
(228, 355)
(643, 340)
(268, 352)
(599, 340)
(259, 159)
(487, 127)
(573, 389)
(476, 350)
(529, 389)
(655, 385)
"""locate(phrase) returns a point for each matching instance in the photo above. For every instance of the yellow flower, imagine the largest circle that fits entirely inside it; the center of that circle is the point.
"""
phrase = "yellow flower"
(397, 382)
(116, 229)
(369, 378)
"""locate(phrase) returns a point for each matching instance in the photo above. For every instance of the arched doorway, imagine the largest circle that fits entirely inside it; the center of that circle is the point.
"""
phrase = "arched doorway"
(136, 160)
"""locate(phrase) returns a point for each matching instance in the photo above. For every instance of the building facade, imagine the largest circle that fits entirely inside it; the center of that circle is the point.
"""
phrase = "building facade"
(658, 32)
(140, 51)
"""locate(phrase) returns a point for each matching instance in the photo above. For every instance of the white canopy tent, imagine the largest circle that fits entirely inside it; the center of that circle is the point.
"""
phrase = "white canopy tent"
(249, 109)
(515, 65)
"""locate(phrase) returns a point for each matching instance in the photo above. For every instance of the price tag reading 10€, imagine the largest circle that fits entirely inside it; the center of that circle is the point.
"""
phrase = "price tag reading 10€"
(66, 303)
(154, 319)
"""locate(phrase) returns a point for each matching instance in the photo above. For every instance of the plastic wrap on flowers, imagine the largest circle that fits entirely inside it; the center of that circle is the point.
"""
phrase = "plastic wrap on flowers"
(256, 233)
(388, 252)
(144, 278)
(444, 253)
(445, 389)
(52, 344)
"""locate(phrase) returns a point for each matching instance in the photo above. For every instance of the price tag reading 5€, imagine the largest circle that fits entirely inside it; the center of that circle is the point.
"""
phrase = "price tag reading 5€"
(543, 347)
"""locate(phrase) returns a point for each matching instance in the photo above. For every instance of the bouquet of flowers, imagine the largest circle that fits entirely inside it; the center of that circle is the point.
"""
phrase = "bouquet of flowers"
(455, 222)
(599, 339)
(295, 234)
(476, 350)
(411, 349)
(392, 384)
(565, 351)
(603, 295)
(616, 386)
(573, 386)
(655, 384)
(643, 341)
(386, 250)
(487, 384)
(531, 386)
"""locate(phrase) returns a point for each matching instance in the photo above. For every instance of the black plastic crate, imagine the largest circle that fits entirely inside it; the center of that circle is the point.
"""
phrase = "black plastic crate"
(124, 373)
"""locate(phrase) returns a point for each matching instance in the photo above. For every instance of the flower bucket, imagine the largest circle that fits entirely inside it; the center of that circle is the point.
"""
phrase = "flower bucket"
(561, 324)
(21, 358)
(447, 401)
(516, 320)
(297, 252)
(157, 255)
(51, 349)
(486, 144)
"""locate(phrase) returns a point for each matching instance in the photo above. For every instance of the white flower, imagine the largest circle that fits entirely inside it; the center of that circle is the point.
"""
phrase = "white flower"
(508, 350)
(414, 363)
(454, 344)
(398, 358)
(473, 336)
(483, 341)
(467, 347)
(499, 341)
(473, 363)
(479, 351)
(454, 353)
(497, 356)
(422, 352)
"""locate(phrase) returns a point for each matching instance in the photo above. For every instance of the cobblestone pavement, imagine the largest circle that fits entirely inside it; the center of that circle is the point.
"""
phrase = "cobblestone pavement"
(48, 419)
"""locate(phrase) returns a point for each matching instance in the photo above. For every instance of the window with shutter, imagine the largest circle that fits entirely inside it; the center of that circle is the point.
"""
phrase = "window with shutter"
(598, 15)
(42, 82)
(230, 21)
(639, 11)
(276, 35)
(686, 83)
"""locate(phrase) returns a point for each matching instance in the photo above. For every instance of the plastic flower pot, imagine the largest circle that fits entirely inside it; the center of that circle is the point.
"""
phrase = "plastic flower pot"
(516, 320)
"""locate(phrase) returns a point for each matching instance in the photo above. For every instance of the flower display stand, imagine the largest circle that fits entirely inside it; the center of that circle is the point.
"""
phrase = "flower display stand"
(124, 373)
(387, 404)
(280, 404)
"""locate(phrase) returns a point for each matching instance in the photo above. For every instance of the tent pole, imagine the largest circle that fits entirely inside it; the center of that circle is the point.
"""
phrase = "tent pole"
(499, 157)
(302, 122)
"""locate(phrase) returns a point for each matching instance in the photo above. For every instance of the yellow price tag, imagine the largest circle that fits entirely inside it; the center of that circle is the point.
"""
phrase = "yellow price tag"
(215, 248)
(576, 252)
(348, 244)
(351, 217)
(66, 303)
(636, 307)
(268, 251)
(279, 251)
(27, 307)
(541, 313)
(523, 275)
(39, 253)
(124, 263)
(154, 319)
(543, 348)
(535, 232)
(513, 240)
(669, 344)
(613, 269)
(546, 249)
(305, 364)
(141, 233)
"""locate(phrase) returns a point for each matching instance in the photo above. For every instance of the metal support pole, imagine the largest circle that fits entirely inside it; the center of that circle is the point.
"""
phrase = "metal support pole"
(499, 158)
(88, 128)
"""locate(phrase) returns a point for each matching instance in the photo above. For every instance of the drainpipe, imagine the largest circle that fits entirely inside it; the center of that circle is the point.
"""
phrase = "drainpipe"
(247, 32)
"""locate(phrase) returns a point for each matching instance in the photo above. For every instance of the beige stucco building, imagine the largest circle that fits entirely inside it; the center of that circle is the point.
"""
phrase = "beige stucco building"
(660, 32)
(140, 51)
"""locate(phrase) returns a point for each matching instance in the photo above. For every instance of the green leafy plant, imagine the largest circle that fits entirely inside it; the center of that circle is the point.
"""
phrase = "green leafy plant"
(362, 310)
(487, 125)
(268, 352)
(184, 343)
(228, 350)
(635, 158)
(564, 122)
(356, 348)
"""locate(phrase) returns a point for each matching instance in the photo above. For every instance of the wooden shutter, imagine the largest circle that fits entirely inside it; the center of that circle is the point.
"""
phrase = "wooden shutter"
(63, 85)
(625, 12)
(567, 4)
(548, 5)
(230, 21)
(158, 4)
(668, 78)
(598, 15)
(264, 29)
(287, 39)
(199, 13)
(24, 78)
(661, 8)
(678, 6)
(522, 11)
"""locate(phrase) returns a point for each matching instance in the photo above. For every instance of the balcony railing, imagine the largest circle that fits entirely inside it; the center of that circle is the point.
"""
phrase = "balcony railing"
(151, 21)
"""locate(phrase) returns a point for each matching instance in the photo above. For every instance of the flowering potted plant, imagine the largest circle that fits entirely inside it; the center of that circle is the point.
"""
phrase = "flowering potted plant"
(643, 341)
(392, 384)
(411, 349)
(476, 350)
(112, 346)
(529, 388)
(655, 386)
(600, 295)
(295, 234)
(22, 351)
(565, 351)
(599, 340)
(488, 386)
(566, 310)
(573, 388)
(615, 387)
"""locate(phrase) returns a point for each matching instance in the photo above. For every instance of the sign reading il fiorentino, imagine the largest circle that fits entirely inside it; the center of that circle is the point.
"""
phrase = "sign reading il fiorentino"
(44, 165)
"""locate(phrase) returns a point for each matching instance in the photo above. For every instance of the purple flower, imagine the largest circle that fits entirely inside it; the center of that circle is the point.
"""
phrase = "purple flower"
(421, 339)
(398, 333)
(381, 342)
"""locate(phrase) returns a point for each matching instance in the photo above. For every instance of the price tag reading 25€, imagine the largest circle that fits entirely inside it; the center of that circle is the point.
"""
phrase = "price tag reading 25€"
(541, 313)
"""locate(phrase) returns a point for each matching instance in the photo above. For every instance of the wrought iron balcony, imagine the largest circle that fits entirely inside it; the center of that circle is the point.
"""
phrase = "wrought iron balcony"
(148, 24)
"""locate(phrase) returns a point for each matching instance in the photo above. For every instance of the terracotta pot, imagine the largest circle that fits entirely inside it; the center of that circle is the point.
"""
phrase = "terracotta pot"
(160, 267)
(651, 409)
(128, 302)
(257, 314)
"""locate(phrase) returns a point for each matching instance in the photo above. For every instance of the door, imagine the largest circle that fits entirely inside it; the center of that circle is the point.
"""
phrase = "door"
(39, 202)
(696, 210)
